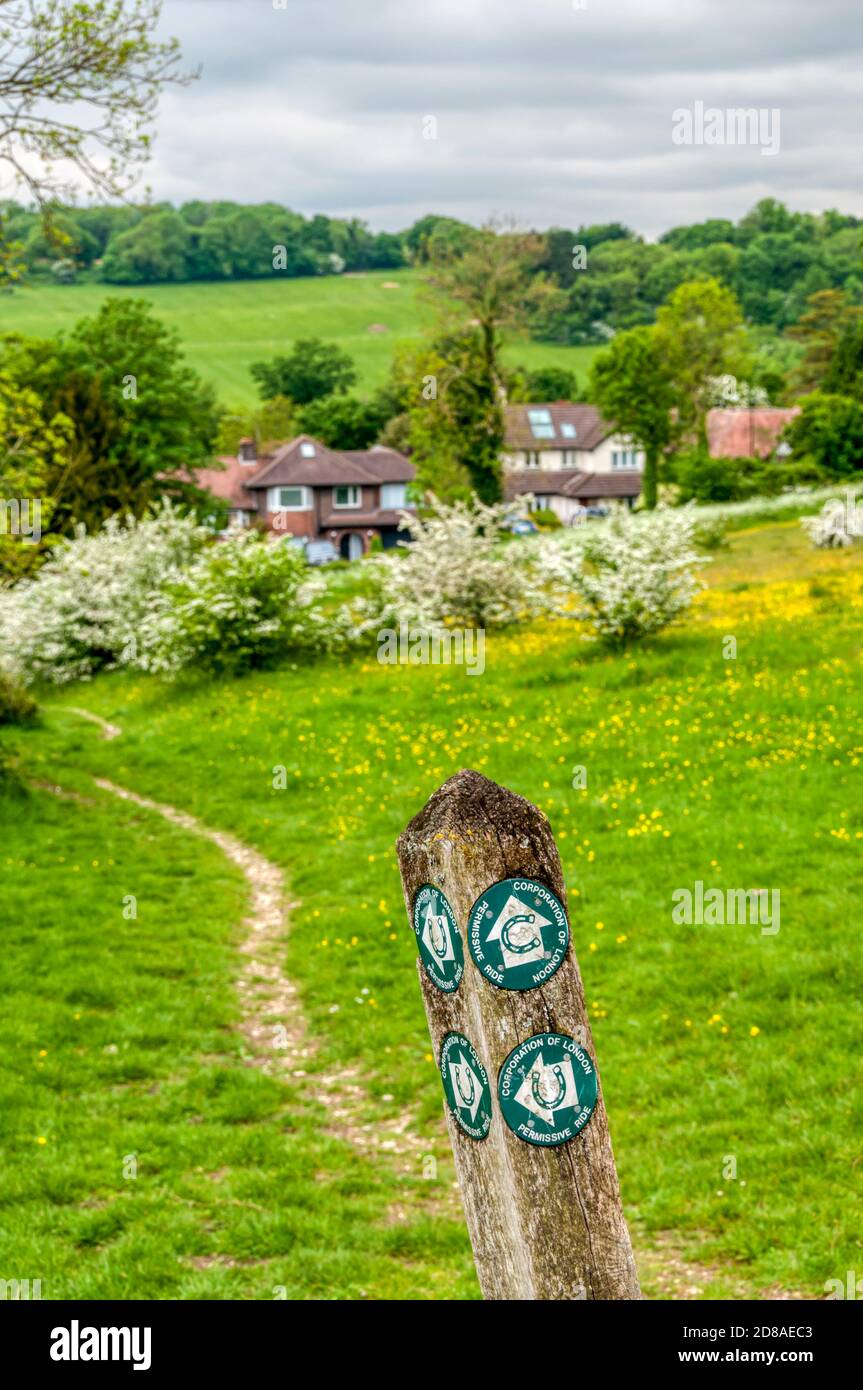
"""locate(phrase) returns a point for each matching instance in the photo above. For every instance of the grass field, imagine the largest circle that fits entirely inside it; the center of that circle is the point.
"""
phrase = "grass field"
(715, 1043)
(226, 327)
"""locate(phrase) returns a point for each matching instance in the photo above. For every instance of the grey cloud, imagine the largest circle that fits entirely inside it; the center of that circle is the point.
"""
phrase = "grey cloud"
(553, 114)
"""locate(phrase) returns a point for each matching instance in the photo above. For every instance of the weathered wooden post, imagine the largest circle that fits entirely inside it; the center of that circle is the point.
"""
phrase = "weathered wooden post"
(485, 894)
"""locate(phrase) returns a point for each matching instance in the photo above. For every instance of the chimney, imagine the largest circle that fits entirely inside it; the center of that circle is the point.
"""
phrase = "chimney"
(248, 452)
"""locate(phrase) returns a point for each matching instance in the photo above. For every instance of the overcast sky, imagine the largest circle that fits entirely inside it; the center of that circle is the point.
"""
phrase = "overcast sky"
(558, 112)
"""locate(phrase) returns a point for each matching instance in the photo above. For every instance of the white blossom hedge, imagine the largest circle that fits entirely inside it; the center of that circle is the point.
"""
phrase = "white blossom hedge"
(629, 576)
(243, 603)
(163, 595)
(84, 609)
(458, 569)
(839, 522)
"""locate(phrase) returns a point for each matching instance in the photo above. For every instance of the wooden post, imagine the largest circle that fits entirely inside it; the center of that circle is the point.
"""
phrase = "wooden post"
(544, 1216)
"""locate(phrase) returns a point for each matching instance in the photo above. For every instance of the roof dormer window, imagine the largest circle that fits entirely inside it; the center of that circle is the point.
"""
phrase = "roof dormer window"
(541, 424)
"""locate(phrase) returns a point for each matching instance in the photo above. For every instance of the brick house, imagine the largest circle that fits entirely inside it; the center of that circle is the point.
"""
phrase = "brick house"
(303, 488)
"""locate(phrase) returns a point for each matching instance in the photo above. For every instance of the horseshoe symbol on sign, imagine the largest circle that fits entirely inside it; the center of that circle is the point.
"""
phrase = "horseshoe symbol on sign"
(519, 948)
(536, 1087)
(466, 1100)
(435, 926)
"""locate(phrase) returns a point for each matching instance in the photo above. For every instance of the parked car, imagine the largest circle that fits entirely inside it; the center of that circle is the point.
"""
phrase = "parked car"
(521, 526)
(321, 553)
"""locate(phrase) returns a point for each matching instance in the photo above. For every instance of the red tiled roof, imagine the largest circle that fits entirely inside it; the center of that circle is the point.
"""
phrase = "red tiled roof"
(229, 483)
(736, 433)
(590, 428)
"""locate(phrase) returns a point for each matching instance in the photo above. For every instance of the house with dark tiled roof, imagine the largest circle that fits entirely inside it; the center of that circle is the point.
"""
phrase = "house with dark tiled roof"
(303, 488)
(568, 458)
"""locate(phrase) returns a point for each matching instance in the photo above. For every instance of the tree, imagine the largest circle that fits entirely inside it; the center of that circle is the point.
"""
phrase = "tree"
(828, 316)
(633, 384)
(158, 248)
(269, 423)
(480, 295)
(456, 431)
(829, 430)
(549, 384)
(700, 335)
(342, 422)
(845, 374)
(138, 414)
(429, 235)
(312, 370)
(30, 446)
(79, 84)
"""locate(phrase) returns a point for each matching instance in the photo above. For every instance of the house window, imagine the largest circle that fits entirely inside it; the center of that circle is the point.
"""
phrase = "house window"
(541, 423)
(569, 458)
(290, 499)
(531, 459)
(307, 450)
(346, 496)
(567, 431)
(393, 496)
(624, 458)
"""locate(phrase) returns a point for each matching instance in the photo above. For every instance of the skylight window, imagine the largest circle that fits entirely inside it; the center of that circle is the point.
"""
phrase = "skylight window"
(568, 431)
(307, 451)
(541, 424)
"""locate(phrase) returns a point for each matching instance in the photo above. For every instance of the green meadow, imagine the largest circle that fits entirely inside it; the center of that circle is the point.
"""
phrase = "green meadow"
(226, 327)
(730, 1059)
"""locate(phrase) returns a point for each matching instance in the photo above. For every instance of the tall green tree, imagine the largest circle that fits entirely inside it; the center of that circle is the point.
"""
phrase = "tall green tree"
(829, 315)
(311, 370)
(138, 413)
(700, 335)
(829, 431)
(634, 386)
(32, 446)
(481, 294)
(158, 248)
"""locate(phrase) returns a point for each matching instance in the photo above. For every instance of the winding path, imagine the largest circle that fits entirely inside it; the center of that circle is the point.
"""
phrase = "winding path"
(272, 1020)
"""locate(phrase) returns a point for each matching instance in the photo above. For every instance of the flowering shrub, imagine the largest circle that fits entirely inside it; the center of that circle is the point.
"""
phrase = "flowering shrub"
(243, 603)
(84, 608)
(631, 575)
(839, 523)
(458, 570)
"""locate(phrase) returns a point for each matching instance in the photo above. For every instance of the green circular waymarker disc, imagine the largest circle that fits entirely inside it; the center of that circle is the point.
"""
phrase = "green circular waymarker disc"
(547, 1089)
(465, 1084)
(438, 938)
(518, 933)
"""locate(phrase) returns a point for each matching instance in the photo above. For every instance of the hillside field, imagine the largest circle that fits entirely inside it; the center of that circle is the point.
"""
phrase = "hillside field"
(226, 327)
(730, 1059)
